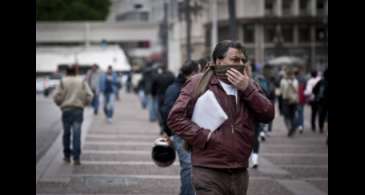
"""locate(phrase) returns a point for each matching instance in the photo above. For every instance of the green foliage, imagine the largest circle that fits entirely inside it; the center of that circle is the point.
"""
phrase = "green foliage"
(71, 10)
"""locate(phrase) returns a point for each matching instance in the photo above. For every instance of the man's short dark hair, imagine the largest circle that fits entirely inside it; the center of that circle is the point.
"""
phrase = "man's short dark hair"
(203, 62)
(222, 47)
(314, 73)
(71, 70)
(189, 67)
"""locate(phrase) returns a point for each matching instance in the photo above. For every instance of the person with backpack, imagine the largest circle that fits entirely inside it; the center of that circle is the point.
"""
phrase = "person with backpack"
(220, 155)
(72, 96)
(269, 90)
(289, 92)
(320, 92)
(299, 74)
(310, 97)
(189, 69)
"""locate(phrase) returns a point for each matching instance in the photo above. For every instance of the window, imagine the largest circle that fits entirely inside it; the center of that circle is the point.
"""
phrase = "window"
(304, 7)
(249, 33)
(288, 33)
(287, 7)
(269, 7)
(133, 16)
(320, 7)
(304, 34)
(269, 33)
(320, 34)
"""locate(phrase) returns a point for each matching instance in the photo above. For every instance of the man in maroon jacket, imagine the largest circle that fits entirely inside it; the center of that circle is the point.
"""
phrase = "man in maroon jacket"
(220, 157)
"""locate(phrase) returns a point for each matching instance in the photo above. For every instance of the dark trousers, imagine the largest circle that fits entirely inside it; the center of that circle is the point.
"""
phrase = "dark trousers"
(207, 181)
(314, 110)
(323, 111)
(72, 121)
(290, 112)
(256, 143)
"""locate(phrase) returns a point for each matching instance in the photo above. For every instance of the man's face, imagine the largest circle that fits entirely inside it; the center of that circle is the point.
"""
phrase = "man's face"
(233, 57)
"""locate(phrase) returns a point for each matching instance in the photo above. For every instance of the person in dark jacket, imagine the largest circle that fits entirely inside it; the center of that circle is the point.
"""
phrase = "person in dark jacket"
(220, 156)
(160, 82)
(320, 92)
(186, 71)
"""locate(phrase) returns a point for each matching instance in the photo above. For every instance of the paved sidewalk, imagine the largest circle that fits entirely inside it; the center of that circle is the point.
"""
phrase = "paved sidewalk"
(117, 160)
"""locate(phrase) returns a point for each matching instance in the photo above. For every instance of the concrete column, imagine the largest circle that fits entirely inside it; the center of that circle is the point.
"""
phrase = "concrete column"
(326, 8)
(259, 43)
(279, 7)
(214, 15)
(313, 45)
(296, 7)
(313, 7)
(174, 53)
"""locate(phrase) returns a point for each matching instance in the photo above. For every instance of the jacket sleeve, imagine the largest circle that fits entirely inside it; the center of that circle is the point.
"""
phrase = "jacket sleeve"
(179, 119)
(259, 104)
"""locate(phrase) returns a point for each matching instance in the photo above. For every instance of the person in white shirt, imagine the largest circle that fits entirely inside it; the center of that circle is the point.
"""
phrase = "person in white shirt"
(308, 93)
(289, 91)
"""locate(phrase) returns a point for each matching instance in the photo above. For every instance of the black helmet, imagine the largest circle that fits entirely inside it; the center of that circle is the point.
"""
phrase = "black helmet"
(163, 152)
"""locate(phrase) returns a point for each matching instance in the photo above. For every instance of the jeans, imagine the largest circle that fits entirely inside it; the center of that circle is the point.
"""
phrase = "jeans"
(152, 108)
(95, 103)
(185, 166)
(109, 104)
(142, 98)
(300, 116)
(72, 120)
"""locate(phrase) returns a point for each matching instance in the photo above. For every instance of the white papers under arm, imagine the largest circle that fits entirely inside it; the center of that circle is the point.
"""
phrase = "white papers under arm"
(208, 113)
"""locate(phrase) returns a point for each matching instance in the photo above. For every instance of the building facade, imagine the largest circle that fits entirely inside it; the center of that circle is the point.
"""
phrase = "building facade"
(268, 28)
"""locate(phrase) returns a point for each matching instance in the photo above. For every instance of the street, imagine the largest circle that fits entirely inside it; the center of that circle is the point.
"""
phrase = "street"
(116, 159)
(48, 124)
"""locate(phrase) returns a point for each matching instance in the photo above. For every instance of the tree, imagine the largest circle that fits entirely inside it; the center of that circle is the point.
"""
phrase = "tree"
(70, 10)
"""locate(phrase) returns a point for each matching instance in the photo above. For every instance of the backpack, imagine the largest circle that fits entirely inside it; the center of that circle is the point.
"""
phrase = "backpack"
(302, 98)
(291, 94)
(321, 91)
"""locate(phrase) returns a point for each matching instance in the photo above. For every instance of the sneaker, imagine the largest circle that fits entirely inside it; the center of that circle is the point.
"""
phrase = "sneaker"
(77, 162)
(300, 129)
(110, 120)
(255, 166)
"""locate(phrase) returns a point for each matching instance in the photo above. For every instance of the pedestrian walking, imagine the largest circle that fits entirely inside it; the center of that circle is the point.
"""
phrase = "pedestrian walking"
(93, 79)
(289, 92)
(108, 86)
(310, 97)
(72, 95)
(189, 69)
(220, 156)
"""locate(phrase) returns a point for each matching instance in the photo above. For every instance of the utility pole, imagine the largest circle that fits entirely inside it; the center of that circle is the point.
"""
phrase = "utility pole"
(214, 36)
(188, 29)
(166, 34)
(232, 19)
